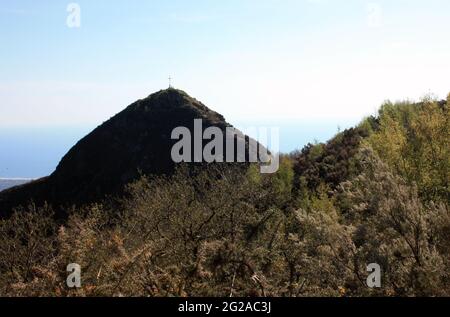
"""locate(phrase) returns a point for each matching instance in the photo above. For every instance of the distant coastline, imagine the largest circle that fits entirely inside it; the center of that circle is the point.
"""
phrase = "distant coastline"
(6, 183)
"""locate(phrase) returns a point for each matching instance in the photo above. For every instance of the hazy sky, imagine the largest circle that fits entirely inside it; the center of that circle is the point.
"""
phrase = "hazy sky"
(248, 59)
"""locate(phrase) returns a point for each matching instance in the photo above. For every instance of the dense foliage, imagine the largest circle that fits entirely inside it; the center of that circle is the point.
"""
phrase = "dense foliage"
(377, 193)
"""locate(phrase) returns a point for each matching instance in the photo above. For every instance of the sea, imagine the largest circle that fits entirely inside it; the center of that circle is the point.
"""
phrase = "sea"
(34, 152)
(8, 183)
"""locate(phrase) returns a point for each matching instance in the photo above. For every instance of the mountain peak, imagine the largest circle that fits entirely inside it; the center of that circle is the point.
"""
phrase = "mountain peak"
(137, 141)
(170, 94)
(172, 99)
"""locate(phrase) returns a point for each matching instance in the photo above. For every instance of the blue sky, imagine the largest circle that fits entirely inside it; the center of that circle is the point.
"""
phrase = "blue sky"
(307, 66)
(284, 60)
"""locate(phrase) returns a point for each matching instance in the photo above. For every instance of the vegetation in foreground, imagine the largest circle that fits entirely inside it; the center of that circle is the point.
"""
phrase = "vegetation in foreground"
(378, 193)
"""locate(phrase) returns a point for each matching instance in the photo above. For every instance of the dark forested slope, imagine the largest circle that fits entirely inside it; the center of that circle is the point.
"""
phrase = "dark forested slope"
(135, 142)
